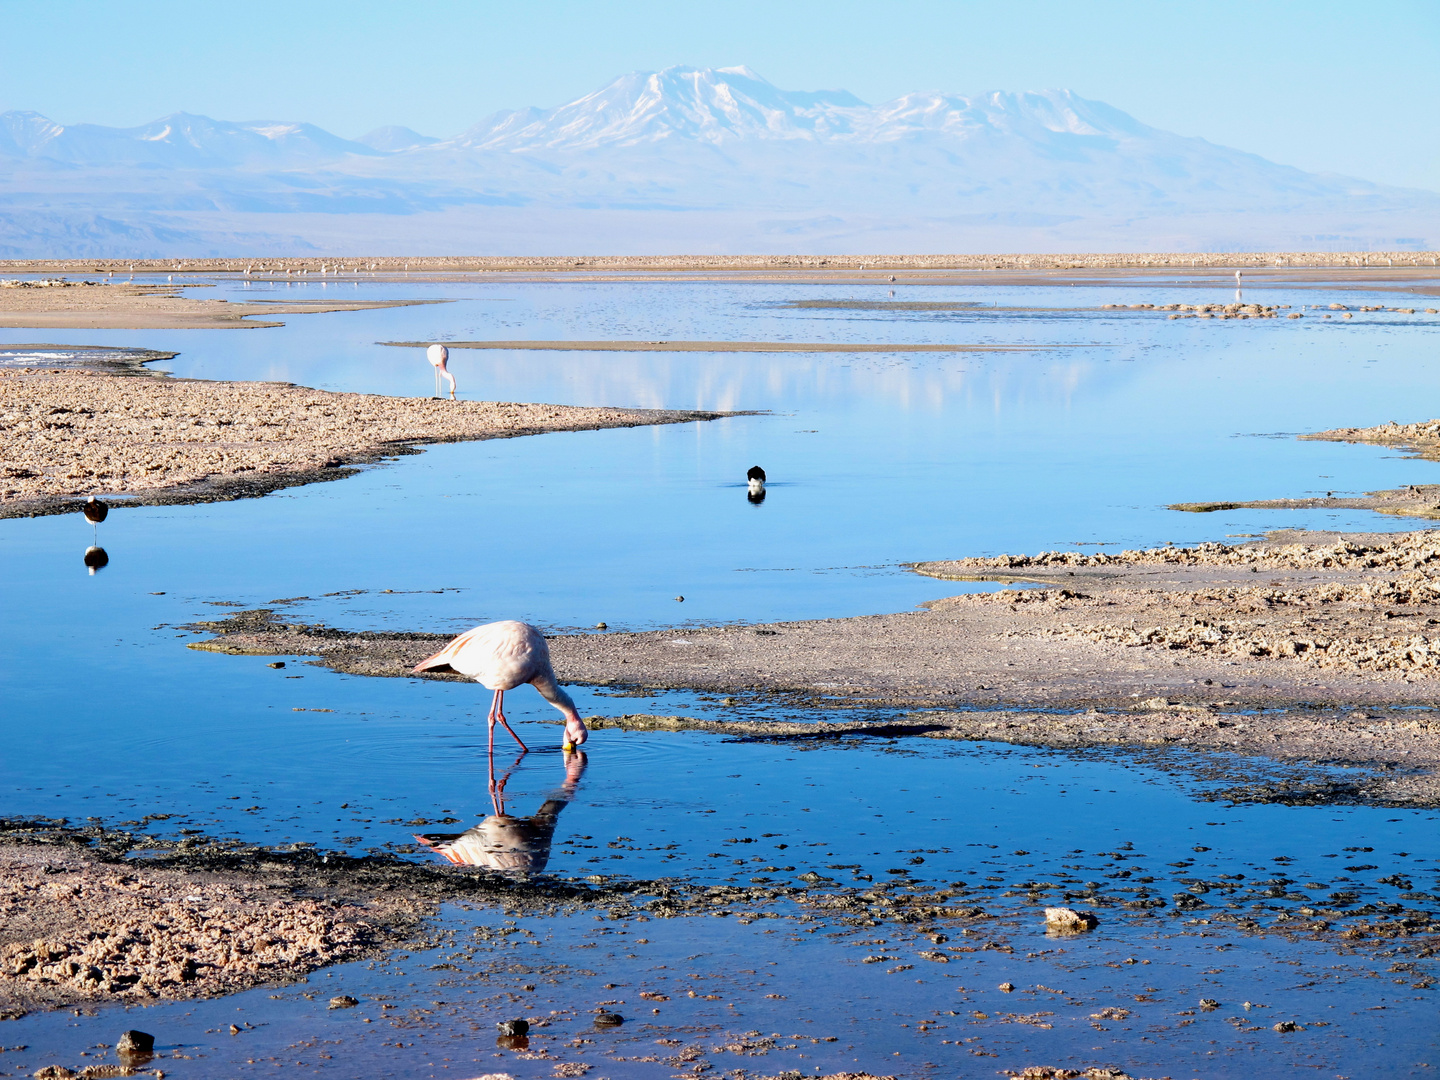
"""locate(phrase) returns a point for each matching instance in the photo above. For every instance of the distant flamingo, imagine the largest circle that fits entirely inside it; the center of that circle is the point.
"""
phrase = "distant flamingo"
(95, 512)
(501, 656)
(439, 355)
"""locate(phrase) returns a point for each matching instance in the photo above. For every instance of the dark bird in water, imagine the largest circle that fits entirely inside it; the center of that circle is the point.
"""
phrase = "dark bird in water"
(95, 512)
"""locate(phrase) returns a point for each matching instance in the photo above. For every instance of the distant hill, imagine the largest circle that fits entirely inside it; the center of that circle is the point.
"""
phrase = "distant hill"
(700, 160)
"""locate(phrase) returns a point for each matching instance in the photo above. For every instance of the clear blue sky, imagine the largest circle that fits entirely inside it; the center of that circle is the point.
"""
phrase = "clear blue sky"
(1347, 86)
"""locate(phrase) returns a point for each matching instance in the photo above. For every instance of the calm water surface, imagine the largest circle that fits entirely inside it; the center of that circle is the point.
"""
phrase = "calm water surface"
(874, 460)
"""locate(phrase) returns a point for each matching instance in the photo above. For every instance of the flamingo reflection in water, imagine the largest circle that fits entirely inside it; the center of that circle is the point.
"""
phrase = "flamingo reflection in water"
(502, 841)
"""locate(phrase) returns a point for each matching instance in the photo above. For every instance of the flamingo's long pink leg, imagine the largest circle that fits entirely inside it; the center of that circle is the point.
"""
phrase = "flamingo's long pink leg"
(500, 715)
(494, 709)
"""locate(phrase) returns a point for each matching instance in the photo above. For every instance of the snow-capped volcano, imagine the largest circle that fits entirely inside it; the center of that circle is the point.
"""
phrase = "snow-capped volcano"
(725, 105)
(711, 105)
(699, 159)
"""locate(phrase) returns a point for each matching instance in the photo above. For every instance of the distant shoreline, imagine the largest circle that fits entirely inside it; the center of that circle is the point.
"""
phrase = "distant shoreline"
(353, 265)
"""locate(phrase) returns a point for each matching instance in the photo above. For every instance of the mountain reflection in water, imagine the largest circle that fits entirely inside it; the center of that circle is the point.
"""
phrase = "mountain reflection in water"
(502, 841)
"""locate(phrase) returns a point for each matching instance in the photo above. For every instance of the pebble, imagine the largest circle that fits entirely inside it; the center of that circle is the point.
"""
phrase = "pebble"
(1069, 921)
(513, 1027)
(135, 1042)
(344, 1001)
(277, 664)
(601, 626)
(608, 1019)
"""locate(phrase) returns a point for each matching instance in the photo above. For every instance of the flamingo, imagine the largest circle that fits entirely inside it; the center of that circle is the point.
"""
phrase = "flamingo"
(438, 355)
(501, 656)
(95, 512)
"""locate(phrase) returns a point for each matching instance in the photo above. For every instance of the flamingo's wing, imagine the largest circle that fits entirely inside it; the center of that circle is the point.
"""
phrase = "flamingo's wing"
(500, 655)
(450, 654)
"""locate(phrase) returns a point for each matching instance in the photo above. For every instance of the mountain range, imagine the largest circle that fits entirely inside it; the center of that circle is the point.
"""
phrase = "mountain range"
(684, 160)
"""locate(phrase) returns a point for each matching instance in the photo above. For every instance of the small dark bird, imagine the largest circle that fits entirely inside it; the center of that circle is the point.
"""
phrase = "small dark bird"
(95, 512)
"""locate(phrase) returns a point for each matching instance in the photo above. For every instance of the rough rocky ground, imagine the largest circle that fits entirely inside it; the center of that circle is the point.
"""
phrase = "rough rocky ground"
(120, 305)
(1314, 648)
(68, 434)
(75, 929)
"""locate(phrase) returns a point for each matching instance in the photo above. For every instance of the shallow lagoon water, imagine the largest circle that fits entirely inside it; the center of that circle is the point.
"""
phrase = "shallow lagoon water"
(875, 460)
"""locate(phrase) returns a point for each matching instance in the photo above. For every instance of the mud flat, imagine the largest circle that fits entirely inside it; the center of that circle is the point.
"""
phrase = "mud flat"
(87, 305)
(1336, 638)
(69, 434)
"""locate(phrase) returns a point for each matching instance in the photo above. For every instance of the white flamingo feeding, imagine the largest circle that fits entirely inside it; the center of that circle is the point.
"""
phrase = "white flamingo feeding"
(501, 656)
(439, 356)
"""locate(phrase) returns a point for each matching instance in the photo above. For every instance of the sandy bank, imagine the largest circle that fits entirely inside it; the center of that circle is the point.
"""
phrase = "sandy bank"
(1170, 646)
(69, 434)
(132, 306)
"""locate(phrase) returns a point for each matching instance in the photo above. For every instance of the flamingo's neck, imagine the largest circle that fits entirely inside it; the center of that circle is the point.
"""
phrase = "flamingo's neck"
(554, 693)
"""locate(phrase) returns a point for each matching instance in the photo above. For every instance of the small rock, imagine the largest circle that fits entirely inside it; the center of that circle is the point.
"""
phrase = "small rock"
(608, 1019)
(277, 664)
(513, 1027)
(1006, 987)
(234, 1029)
(344, 1001)
(1209, 1003)
(1062, 920)
(135, 1042)
(1288, 1025)
(601, 626)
